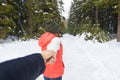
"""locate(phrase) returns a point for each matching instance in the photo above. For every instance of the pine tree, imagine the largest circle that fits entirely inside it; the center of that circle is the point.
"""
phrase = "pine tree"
(26, 18)
(85, 18)
(39, 12)
(115, 4)
(118, 31)
(6, 22)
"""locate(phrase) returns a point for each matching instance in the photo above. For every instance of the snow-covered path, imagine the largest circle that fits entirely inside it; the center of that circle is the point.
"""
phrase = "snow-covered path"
(90, 61)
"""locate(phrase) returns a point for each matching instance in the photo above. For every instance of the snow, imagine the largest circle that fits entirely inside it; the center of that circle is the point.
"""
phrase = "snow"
(84, 60)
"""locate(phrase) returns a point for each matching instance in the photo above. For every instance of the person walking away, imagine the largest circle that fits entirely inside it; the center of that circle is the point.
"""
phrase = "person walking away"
(50, 41)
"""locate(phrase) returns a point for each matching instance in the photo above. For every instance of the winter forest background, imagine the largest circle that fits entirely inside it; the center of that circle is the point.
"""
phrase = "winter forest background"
(25, 19)
(90, 34)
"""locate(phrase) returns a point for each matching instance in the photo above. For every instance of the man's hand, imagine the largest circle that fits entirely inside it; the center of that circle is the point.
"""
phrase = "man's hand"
(49, 56)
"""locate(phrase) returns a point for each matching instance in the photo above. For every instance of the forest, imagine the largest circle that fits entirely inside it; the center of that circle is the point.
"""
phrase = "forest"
(25, 19)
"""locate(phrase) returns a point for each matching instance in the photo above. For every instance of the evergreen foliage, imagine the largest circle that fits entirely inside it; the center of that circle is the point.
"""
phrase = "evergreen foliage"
(93, 32)
(96, 17)
(25, 19)
(6, 22)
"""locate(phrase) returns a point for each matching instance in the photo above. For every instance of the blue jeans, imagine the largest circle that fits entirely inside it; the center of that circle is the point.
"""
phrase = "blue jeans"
(59, 78)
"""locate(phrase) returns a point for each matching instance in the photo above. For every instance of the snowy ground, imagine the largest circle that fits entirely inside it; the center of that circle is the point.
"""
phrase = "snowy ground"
(84, 60)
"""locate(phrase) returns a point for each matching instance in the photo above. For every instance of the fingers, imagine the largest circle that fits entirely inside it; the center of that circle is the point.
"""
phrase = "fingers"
(51, 60)
(49, 56)
(48, 53)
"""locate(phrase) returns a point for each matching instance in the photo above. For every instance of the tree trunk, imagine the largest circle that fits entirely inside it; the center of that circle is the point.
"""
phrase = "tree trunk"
(96, 15)
(118, 30)
(30, 22)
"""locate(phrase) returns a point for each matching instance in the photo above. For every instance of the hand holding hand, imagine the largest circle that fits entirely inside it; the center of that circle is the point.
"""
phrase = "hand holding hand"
(49, 56)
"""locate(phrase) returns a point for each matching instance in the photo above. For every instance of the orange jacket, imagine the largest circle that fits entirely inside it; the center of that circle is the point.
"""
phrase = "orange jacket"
(56, 69)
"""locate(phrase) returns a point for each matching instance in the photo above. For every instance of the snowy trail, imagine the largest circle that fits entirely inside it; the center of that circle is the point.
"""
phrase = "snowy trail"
(102, 67)
(88, 65)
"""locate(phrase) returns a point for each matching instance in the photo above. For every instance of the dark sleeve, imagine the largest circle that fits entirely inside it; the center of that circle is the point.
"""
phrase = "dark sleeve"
(24, 68)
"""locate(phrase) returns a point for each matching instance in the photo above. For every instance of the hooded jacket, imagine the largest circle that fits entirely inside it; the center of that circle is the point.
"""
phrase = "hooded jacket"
(56, 69)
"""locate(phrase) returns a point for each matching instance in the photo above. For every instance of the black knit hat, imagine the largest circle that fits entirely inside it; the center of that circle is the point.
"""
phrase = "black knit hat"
(52, 27)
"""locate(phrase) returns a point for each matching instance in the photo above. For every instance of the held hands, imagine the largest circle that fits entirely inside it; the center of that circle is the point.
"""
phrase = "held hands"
(49, 56)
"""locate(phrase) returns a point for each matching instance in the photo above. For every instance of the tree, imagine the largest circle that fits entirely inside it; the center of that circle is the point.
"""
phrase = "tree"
(39, 12)
(86, 17)
(25, 19)
(116, 6)
(118, 31)
(7, 24)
